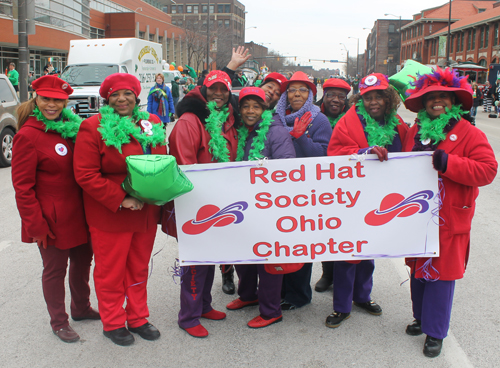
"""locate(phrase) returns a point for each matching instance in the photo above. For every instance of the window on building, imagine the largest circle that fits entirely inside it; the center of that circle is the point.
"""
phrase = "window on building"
(220, 8)
(96, 32)
(462, 41)
(481, 38)
(141, 35)
(204, 8)
(219, 23)
(160, 39)
(212, 9)
(195, 9)
(179, 23)
(473, 39)
(174, 22)
(391, 28)
(226, 23)
(165, 9)
(452, 41)
(174, 9)
(189, 8)
(180, 9)
(495, 35)
(151, 37)
(486, 36)
(469, 39)
(227, 8)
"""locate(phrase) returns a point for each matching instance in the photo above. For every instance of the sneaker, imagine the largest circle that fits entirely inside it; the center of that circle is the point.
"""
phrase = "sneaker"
(371, 307)
(238, 304)
(259, 322)
(335, 319)
(197, 331)
(214, 315)
(415, 329)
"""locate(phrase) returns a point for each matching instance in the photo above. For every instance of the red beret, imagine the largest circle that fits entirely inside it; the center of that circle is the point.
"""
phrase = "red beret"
(118, 81)
(276, 77)
(217, 76)
(52, 86)
(252, 91)
(373, 82)
(337, 83)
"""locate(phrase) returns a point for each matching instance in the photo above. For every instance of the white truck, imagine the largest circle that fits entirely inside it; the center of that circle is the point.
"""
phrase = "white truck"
(91, 61)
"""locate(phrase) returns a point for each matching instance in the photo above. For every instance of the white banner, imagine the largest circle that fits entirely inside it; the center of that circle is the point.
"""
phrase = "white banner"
(309, 210)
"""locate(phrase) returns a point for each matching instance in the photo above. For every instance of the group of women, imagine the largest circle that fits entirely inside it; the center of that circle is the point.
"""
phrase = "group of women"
(55, 178)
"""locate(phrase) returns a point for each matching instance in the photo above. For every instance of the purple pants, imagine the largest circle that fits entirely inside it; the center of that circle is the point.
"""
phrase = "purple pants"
(55, 263)
(268, 291)
(431, 303)
(352, 282)
(196, 297)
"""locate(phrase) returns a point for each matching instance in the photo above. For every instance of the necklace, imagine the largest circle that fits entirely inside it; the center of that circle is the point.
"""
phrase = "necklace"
(116, 130)
(434, 129)
(68, 126)
(334, 121)
(214, 122)
(258, 142)
(379, 135)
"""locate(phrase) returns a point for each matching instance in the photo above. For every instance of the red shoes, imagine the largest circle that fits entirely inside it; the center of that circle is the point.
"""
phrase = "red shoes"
(197, 331)
(259, 322)
(215, 315)
(238, 304)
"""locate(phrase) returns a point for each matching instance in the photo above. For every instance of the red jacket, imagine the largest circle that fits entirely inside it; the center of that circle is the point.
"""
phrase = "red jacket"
(349, 136)
(471, 164)
(47, 195)
(100, 171)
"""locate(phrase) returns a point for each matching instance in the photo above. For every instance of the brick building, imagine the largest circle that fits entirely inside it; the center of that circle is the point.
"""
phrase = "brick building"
(56, 23)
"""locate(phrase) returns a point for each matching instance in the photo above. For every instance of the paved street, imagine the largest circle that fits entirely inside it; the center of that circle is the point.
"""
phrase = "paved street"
(301, 340)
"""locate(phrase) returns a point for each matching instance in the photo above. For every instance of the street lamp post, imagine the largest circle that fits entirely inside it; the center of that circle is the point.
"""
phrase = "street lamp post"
(398, 16)
(347, 62)
(208, 35)
(357, 56)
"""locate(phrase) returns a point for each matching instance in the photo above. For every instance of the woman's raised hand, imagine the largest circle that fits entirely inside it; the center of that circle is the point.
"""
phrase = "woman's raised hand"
(300, 125)
(238, 58)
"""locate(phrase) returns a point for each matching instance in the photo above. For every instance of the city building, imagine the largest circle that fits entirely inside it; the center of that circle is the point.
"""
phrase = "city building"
(58, 22)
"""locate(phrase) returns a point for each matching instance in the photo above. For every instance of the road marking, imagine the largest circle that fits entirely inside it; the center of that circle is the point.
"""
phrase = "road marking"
(452, 351)
(5, 244)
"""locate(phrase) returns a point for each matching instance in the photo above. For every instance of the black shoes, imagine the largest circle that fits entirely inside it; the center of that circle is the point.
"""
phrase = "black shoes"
(432, 347)
(285, 306)
(120, 336)
(147, 331)
(371, 307)
(326, 279)
(415, 329)
(336, 318)
(228, 279)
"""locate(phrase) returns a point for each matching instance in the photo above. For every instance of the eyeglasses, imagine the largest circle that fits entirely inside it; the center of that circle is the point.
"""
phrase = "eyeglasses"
(301, 90)
(334, 96)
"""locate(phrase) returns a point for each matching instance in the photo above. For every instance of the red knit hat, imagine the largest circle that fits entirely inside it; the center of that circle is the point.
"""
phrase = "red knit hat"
(52, 87)
(252, 91)
(337, 83)
(118, 81)
(373, 82)
(217, 76)
(439, 80)
(278, 78)
(300, 77)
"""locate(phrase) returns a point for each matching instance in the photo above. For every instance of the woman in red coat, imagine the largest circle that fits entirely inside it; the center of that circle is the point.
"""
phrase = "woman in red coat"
(371, 125)
(464, 160)
(205, 132)
(122, 228)
(50, 201)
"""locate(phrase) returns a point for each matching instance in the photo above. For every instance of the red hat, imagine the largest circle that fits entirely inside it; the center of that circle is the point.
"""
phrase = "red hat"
(52, 87)
(301, 77)
(278, 78)
(439, 80)
(373, 82)
(252, 91)
(217, 76)
(337, 83)
(119, 81)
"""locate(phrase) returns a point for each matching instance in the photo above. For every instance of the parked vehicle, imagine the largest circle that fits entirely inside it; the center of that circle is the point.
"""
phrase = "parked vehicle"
(169, 77)
(8, 118)
(91, 61)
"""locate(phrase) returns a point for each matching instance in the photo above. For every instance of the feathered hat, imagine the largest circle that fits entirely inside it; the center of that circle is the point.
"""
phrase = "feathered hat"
(439, 80)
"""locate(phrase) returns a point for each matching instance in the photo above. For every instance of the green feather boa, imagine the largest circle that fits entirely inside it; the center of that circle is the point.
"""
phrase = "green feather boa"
(379, 135)
(334, 121)
(68, 126)
(259, 140)
(217, 144)
(116, 130)
(433, 128)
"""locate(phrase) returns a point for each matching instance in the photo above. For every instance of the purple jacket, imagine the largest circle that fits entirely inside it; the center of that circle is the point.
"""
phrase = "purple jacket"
(278, 143)
(314, 141)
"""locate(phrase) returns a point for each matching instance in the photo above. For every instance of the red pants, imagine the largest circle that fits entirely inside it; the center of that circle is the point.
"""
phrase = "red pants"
(121, 271)
(55, 263)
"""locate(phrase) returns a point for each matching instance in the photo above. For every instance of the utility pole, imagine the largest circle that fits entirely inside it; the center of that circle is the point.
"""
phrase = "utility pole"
(448, 40)
(208, 35)
(24, 55)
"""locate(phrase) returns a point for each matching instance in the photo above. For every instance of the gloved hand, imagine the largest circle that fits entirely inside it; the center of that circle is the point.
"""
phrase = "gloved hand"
(300, 125)
(381, 153)
(440, 160)
(41, 240)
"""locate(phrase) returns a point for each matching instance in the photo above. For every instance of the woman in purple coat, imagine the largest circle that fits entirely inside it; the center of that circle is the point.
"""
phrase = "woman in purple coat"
(260, 137)
(310, 131)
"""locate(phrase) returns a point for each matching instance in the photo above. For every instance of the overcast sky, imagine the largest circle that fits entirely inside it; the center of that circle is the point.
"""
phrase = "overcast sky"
(314, 29)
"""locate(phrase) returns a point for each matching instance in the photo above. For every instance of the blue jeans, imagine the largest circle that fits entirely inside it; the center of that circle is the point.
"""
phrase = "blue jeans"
(473, 111)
